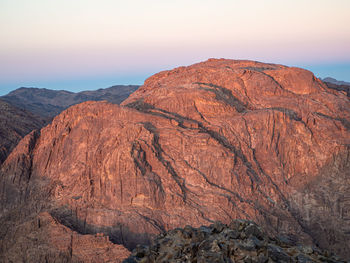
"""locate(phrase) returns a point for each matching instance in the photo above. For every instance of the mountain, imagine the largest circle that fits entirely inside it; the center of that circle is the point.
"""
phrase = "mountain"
(338, 85)
(26, 109)
(214, 141)
(334, 81)
(14, 125)
(48, 103)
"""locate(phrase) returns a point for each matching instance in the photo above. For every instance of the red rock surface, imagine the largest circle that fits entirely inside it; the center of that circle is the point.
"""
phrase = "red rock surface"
(26, 109)
(216, 140)
(43, 239)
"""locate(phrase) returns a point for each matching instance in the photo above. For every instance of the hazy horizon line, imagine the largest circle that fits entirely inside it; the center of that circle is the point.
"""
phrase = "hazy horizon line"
(84, 83)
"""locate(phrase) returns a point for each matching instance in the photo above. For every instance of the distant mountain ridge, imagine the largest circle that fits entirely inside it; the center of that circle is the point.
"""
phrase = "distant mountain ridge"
(48, 103)
(337, 85)
(334, 81)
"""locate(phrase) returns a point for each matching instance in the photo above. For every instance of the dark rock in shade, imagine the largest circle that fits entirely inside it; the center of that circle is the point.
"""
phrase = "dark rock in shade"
(334, 81)
(216, 246)
(210, 142)
(276, 253)
(337, 85)
(15, 123)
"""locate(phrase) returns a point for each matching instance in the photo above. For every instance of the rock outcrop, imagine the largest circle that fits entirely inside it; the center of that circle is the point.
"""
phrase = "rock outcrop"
(210, 142)
(44, 239)
(241, 241)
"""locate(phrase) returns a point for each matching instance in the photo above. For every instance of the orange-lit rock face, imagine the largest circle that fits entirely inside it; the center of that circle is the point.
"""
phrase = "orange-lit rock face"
(214, 141)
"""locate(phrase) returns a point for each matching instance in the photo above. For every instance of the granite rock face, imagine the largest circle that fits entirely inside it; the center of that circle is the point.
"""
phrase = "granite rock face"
(214, 141)
(240, 241)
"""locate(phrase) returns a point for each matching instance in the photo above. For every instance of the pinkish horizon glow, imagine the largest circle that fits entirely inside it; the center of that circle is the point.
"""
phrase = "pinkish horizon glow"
(80, 42)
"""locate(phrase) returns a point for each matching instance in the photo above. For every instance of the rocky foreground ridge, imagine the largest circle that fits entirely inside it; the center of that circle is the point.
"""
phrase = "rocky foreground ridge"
(214, 141)
(240, 241)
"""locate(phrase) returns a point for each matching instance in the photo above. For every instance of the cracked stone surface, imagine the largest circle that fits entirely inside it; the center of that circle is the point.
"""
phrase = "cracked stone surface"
(214, 141)
(240, 241)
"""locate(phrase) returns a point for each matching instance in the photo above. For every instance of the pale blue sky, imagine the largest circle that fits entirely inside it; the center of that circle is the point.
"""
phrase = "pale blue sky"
(86, 44)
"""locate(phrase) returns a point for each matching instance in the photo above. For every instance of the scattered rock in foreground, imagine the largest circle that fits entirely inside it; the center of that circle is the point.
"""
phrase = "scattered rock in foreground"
(241, 241)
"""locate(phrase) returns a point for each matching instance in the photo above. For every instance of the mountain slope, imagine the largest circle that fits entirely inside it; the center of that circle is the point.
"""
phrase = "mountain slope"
(14, 125)
(26, 109)
(213, 141)
(48, 103)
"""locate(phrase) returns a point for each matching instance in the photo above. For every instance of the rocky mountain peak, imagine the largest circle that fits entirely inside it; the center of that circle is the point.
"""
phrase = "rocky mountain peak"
(214, 141)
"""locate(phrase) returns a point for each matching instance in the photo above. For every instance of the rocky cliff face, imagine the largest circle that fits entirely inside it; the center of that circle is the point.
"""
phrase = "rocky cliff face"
(214, 141)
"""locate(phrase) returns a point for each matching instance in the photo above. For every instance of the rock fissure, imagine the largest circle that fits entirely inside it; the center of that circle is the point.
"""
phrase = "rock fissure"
(223, 94)
(159, 154)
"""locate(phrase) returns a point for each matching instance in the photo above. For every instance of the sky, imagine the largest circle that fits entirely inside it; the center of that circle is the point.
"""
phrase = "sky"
(90, 44)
